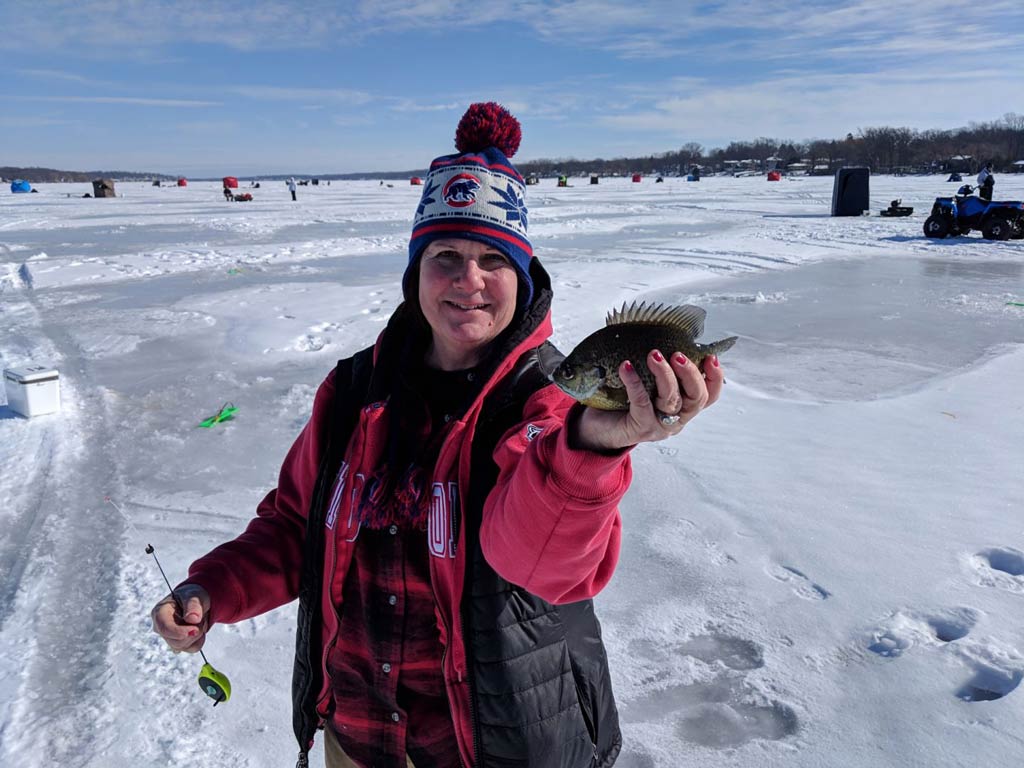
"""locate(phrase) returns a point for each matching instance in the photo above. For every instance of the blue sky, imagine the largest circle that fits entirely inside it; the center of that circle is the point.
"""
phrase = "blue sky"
(207, 88)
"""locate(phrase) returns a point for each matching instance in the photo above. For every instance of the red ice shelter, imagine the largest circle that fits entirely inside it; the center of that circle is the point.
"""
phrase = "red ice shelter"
(416, 181)
(637, 178)
(182, 182)
(774, 176)
(230, 182)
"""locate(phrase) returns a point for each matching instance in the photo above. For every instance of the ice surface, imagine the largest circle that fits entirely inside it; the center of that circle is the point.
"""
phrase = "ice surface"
(825, 569)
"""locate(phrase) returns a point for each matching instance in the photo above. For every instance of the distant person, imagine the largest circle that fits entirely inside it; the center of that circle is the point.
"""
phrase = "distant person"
(291, 188)
(228, 195)
(986, 181)
(447, 515)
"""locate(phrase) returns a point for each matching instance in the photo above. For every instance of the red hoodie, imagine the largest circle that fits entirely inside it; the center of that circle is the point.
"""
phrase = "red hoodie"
(551, 525)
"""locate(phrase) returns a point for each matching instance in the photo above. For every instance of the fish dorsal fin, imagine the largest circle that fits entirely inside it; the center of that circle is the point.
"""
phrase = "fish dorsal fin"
(686, 318)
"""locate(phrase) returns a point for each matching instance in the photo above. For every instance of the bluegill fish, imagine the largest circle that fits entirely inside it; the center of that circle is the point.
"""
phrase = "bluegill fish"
(590, 373)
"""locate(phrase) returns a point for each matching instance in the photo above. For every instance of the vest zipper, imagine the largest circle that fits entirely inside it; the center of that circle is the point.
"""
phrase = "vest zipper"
(474, 727)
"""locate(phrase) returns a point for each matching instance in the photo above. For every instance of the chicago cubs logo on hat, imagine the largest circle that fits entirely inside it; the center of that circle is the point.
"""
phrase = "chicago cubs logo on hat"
(461, 189)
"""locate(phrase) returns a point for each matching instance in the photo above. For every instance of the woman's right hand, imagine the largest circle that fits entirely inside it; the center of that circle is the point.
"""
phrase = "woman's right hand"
(183, 628)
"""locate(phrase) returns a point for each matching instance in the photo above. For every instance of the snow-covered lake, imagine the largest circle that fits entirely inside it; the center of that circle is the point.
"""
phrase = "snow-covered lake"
(825, 569)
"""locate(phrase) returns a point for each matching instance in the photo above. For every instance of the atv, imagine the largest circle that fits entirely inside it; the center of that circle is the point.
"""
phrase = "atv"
(958, 215)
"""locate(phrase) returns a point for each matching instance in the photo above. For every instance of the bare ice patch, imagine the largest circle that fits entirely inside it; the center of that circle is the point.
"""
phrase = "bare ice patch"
(732, 652)
(721, 726)
(715, 706)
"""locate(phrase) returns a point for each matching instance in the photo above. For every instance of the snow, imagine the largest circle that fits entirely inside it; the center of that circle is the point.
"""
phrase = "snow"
(826, 568)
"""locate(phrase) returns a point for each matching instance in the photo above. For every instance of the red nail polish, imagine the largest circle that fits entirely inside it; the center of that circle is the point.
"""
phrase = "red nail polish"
(193, 632)
(714, 361)
(657, 356)
(680, 358)
(629, 366)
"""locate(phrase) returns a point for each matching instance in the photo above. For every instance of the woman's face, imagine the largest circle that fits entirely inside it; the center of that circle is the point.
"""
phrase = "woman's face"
(467, 293)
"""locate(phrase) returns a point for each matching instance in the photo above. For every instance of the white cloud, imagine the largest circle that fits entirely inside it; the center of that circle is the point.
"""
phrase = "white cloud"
(53, 74)
(282, 93)
(32, 122)
(815, 106)
(139, 101)
(411, 105)
(712, 31)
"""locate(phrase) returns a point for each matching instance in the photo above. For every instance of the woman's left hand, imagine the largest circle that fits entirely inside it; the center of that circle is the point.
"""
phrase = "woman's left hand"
(683, 392)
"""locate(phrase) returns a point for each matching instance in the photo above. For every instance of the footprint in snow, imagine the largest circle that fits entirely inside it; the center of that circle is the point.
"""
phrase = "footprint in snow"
(309, 343)
(906, 629)
(986, 681)
(802, 586)
(988, 684)
(719, 712)
(1000, 567)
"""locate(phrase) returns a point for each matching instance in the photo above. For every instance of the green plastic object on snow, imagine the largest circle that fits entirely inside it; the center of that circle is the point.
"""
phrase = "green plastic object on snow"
(226, 413)
(214, 684)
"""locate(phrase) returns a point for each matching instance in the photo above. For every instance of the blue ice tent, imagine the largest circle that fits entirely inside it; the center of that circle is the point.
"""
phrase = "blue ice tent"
(20, 185)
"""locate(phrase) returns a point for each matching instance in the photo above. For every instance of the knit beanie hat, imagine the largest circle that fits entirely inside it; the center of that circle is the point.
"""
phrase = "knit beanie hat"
(477, 194)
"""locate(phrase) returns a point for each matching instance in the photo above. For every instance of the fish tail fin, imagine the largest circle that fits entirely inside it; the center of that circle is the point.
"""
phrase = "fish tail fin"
(722, 345)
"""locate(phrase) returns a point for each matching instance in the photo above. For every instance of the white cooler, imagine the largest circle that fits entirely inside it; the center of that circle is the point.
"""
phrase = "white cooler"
(32, 390)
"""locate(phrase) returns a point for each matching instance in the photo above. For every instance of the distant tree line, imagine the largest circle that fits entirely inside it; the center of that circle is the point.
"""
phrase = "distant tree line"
(53, 176)
(884, 150)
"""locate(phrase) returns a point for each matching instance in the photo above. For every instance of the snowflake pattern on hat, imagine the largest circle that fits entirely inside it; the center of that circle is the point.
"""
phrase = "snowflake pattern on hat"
(514, 205)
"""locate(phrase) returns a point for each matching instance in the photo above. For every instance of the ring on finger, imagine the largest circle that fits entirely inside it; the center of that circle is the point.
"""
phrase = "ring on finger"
(668, 419)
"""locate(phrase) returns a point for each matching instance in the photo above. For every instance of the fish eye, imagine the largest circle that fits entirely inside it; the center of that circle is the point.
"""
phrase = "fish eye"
(600, 371)
(567, 372)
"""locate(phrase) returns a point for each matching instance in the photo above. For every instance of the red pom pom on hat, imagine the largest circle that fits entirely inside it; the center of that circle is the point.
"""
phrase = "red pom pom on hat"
(488, 124)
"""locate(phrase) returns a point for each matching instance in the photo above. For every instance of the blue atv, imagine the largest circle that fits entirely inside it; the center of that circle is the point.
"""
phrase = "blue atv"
(958, 215)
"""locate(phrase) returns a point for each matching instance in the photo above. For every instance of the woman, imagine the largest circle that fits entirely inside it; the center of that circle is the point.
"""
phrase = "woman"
(447, 514)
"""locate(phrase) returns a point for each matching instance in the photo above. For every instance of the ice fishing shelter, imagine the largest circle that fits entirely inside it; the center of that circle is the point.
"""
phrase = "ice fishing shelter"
(182, 182)
(103, 188)
(637, 178)
(774, 176)
(230, 182)
(850, 191)
(416, 181)
(594, 178)
(19, 186)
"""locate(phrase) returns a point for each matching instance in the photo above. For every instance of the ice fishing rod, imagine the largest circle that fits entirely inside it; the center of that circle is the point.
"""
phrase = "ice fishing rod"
(213, 683)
